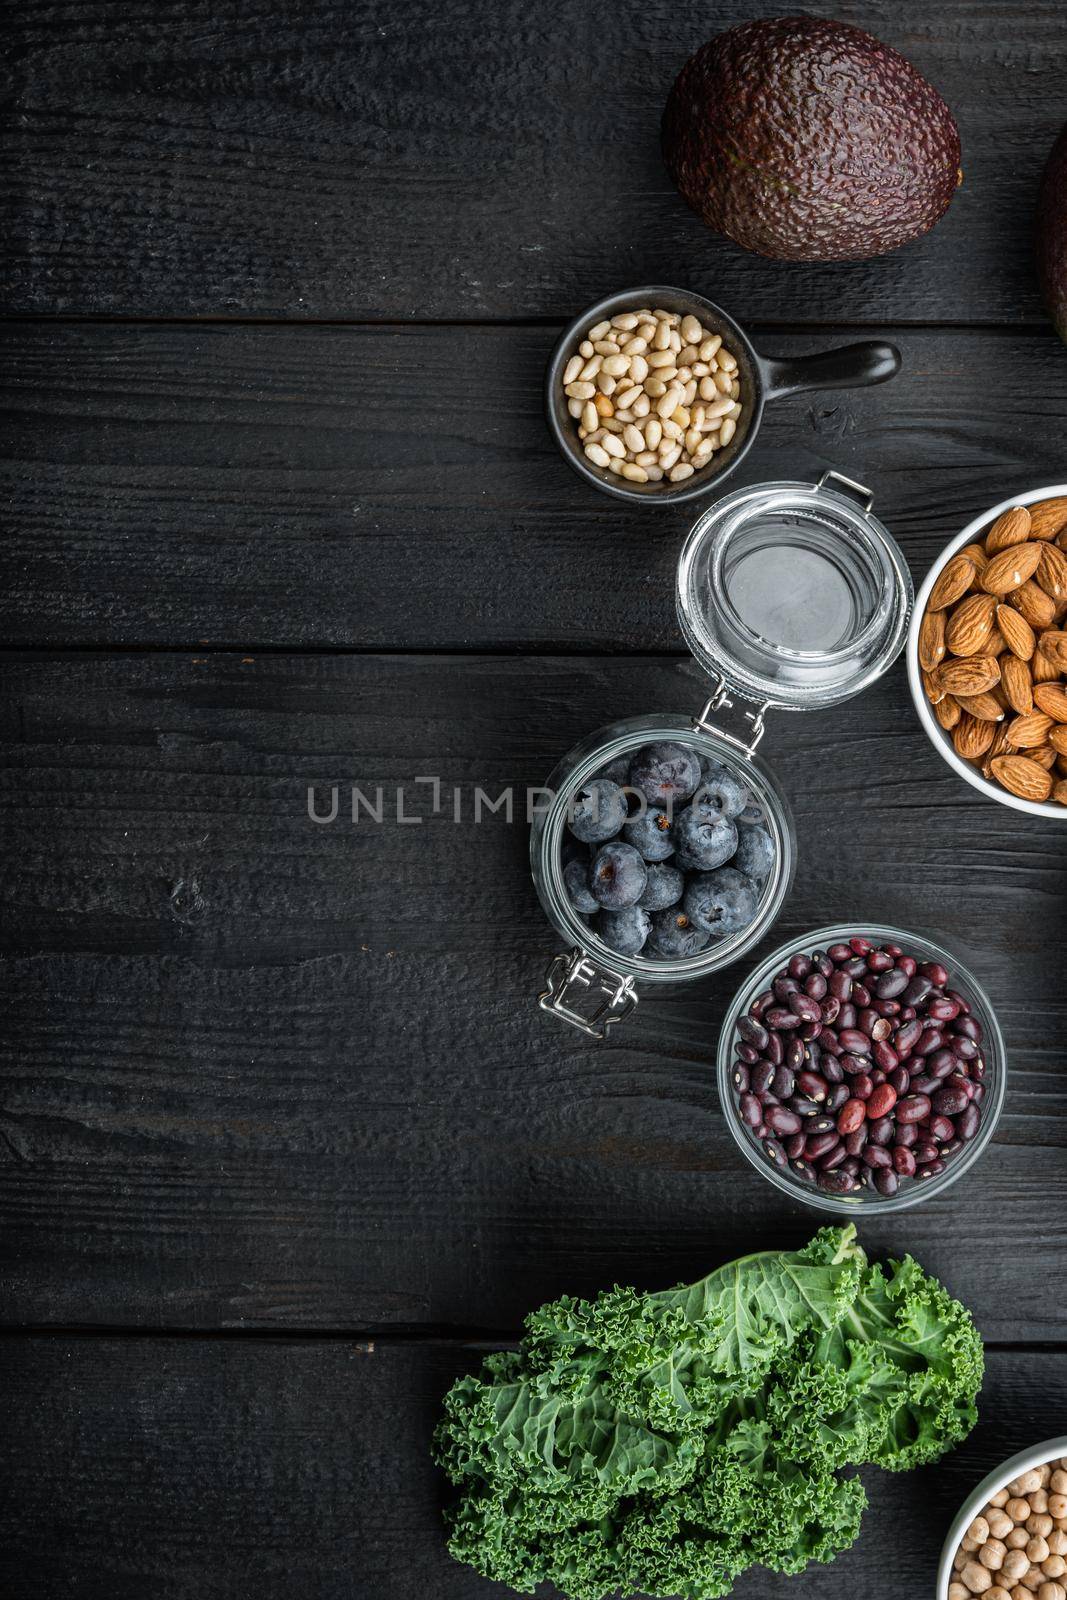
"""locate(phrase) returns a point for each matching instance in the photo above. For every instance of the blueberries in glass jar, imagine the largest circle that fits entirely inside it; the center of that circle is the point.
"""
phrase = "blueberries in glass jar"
(576, 878)
(597, 811)
(720, 791)
(618, 770)
(665, 773)
(722, 902)
(624, 931)
(651, 833)
(665, 887)
(672, 934)
(618, 876)
(755, 850)
(703, 839)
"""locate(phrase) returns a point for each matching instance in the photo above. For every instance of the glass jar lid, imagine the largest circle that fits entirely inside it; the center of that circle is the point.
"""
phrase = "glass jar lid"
(794, 594)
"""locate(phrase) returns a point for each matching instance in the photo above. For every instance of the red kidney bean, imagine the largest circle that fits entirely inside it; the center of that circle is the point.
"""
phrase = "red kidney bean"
(968, 1122)
(747, 1053)
(775, 1051)
(913, 1108)
(852, 1113)
(782, 1121)
(840, 986)
(978, 1093)
(833, 1158)
(861, 996)
(861, 1087)
(851, 1165)
(760, 1004)
(879, 961)
(851, 1063)
(977, 1069)
(882, 1032)
(908, 965)
(855, 1141)
(959, 1081)
(949, 1102)
(779, 1017)
(823, 963)
(931, 1039)
(774, 1152)
(941, 1129)
(891, 984)
(799, 965)
(828, 1042)
(887, 1008)
(829, 1009)
(961, 1000)
(783, 1083)
(935, 972)
(793, 1053)
(812, 1085)
(917, 991)
(840, 952)
(784, 989)
(882, 1100)
(807, 1009)
(925, 1084)
(968, 1028)
(950, 1149)
(803, 1106)
(855, 1042)
(924, 1151)
(837, 1097)
(836, 1182)
(741, 1078)
(866, 1019)
(885, 1055)
(815, 986)
(832, 1070)
(822, 1124)
(886, 1182)
(877, 1076)
(943, 1009)
(846, 1017)
(903, 1161)
(768, 1099)
(856, 968)
(808, 1031)
(907, 1134)
(751, 1110)
(965, 1049)
(907, 1037)
(859, 945)
(880, 1129)
(759, 1079)
(794, 1145)
(941, 1064)
(818, 1144)
(876, 1155)
(930, 1169)
(900, 1078)
(760, 1131)
(753, 1032)
(804, 1171)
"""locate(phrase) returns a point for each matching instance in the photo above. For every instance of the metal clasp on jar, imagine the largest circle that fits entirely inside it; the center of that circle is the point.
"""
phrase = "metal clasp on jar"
(720, 700)
(589, 997)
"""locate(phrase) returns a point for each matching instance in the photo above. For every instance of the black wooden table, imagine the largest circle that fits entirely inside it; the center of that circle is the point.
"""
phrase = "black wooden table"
(285, 1144)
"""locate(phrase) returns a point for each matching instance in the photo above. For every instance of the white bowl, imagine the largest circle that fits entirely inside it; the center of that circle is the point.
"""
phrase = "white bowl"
(941, 740)
(1035, 1457)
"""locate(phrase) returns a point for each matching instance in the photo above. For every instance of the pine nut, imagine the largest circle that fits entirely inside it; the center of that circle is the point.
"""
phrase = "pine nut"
(585, 349)
(615, 465)
(700, 369)
(572, 369)
(591, 368)
(626, 321)
(624, 414)
(575, 407)
(603, 405)
(671, 430)
(614, 446)
(668, 457)
(653, 432)
(690, 391)
(679, 473)
(670, 401)
(638, 369)
(727, 362)
(635, 473)
(711, 347)
(590, 415)
(655, 387)
(616, 365)
(727, 431)
(597, 453)
(680, 415)
(635, 347)
(691, 329)
(692, 440)
(719, 407)
(722, 382)
(687, 355)
(661, 358)
(671, 318)
(600, 330)
(612, 425)
(634, 438)
(685, 374)
(642, 406)
(654, 474)
(626, 397)
(605, 382)
(707, 388)
(661, 339)
(606, 347)
(735, 409)
(645, 458)
(580, 391)
(703, 452)
(647, 330)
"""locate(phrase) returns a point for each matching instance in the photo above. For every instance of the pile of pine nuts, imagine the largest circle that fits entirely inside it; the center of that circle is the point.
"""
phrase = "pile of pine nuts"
(1016, 1549)
(654, 394)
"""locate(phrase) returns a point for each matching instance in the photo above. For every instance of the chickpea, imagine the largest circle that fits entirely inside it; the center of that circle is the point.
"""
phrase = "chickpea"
(1017, 1539)
(1056, 1505)
(1058, 1481)
(1016, 1562)
(1037, 1549)
(1001, 1498)
(978, 1530)
(997, 1593)
(1054, 1567)
(1057, 1542)
(1018, 1510)
(969, 1544)
(1032, 1579)
(976, 1578)
(958, 1591)
(1052, 1591)
(1019, 1593)
(999, 1523)
(1038, 1500)
(1025, 1482)
(992, 1554)
(1040, 1526)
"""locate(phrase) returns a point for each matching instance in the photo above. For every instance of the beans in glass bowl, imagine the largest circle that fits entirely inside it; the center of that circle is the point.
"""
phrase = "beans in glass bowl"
(866, 1067)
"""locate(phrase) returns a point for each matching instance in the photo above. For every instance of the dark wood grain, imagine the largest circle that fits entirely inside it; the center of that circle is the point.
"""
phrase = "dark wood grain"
(323, 159)
(397, 489)
(212, 1470)
(264, 1072)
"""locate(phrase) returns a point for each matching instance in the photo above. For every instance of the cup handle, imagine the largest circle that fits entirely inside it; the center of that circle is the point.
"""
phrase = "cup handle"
(851, 366)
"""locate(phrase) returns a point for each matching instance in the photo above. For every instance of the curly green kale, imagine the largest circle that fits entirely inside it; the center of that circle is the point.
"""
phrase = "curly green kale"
(663, 1443)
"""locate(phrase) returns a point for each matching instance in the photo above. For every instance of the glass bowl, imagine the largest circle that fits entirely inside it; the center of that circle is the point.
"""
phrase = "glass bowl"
(866, 1200)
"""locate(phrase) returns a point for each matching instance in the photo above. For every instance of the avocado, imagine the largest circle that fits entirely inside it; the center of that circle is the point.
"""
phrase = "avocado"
(1052, 235)
(809, 140)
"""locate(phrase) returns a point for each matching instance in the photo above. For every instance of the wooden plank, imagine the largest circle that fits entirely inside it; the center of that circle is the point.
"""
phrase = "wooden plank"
(263, 1072)
(399, 489)
(206, 1469)
(209, 157)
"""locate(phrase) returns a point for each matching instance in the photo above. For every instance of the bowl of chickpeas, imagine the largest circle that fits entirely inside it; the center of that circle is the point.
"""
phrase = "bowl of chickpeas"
(1009, 1540)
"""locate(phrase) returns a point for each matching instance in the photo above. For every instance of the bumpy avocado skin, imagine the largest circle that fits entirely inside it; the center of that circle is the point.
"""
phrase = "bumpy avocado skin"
(809, 140)
(1052, 235)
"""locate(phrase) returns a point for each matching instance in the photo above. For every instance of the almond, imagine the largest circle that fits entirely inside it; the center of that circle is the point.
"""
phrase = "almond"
(971, 623)
(1058, 740)
(1059, 792)
(933, 690)
(932, 640)
(1048, 518)
(1061, 539)
(1018, 634)
(1021, 777)
(975, 554)
(982, 706)
(1044, 755)
(1036, 606)
(1011, 568)
(1029, 732)
(972, 738)
(1051, 573)
(1011, 527)
(969, 674)
(996, 644)
(997, 748)
(1053, 645)
(1043, 669)
(952, 583)
(948, 713)
(1051, 698)
(1018, 684)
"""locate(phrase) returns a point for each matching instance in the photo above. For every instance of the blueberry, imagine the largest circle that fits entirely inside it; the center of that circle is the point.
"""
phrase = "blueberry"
(576, 877)
(665, 773)
(672, 934)
(721, 791)
(651, 834)
(755, 850)
(624, 931)
(618, 770)
(721, 902)
(665, 887)
(703, 839)
(618, 876)
(597, 811)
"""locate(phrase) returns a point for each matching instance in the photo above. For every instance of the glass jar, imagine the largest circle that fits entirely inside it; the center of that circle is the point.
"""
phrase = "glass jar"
(790, 596)
(869, 1201)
